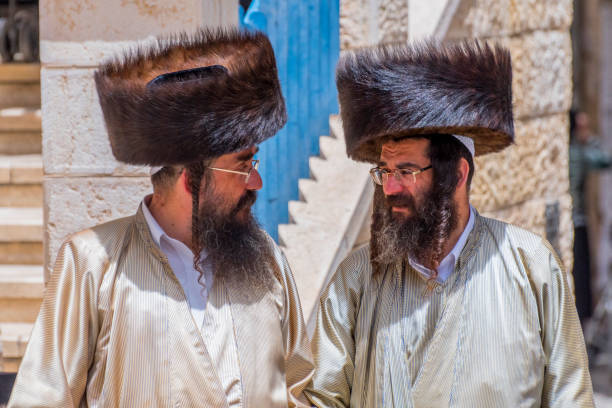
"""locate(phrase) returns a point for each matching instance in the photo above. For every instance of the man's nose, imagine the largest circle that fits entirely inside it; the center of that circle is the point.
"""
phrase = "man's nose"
(255, 182)
(392, 186)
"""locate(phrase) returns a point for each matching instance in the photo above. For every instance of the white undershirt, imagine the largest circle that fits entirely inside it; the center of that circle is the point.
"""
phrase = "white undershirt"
(214, 321)
(447, 266)
(180, 258)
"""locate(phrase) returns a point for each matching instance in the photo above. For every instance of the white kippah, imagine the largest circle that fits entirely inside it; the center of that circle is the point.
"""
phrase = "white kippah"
(154, 169)
(467, 142)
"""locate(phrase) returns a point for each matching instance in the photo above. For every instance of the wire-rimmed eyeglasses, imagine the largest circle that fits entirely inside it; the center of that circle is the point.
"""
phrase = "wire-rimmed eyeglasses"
(247, 174)
(404, 176)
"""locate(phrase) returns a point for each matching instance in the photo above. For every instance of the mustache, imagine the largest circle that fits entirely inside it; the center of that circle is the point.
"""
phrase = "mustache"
(400, 201)
(247, 200)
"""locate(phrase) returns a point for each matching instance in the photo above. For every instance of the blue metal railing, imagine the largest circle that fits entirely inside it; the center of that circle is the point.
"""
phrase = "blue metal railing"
(306, 40)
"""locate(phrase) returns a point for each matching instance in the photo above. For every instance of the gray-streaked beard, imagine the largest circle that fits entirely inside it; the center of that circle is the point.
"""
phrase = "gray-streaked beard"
(420, 236)
(238, 250)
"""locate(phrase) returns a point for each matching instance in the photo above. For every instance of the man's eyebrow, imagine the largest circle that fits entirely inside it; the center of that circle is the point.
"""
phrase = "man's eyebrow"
(402, 165)
(247, 155)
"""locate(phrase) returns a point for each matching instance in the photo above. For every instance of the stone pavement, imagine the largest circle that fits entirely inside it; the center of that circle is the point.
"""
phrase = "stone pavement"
(602, 401)
(602, 385)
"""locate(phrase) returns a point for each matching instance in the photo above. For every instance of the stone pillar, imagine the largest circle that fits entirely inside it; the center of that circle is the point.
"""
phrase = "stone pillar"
(370, 22)
(83, 184)
(528, 184)
(430, 18)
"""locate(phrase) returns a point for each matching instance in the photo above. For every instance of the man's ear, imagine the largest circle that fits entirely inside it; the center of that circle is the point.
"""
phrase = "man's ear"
(184, 181)
(463, 170)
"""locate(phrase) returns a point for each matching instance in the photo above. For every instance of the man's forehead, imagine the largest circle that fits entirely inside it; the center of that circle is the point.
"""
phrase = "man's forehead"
(241, 155)
(404, 147)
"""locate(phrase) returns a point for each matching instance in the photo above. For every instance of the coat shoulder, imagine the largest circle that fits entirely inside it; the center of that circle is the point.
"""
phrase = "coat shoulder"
(357, 262)
(103, 237)
(353, 273)
(515, 236)
(531, 250)
(93, 247)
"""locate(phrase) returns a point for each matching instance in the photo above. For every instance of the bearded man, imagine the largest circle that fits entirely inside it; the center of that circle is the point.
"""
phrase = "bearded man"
(188, 302)
(445, 307)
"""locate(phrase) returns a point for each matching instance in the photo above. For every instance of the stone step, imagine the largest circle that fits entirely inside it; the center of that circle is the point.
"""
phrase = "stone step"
(331, 147)
(305, 188)
(24, 224)
(21, 169)
(10, 365)
(19, 85)
(335, 128)
(21, 235)
(21, 195)
(317, 165)
(20, 120)
(14, 339)
(20, 143)
(21, 253)
(21, 282)
(21, 292)
(322, 231)
(20, 131)
(21, 180)
(19, 73)
(25, 94)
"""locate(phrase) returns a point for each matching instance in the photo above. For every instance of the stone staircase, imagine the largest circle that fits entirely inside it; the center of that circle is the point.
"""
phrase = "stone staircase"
(21, 214)
(328, 220)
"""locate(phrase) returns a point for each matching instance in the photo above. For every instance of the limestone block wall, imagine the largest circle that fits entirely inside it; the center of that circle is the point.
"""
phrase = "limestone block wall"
(369, 22)
(527, 184)
(83, 184)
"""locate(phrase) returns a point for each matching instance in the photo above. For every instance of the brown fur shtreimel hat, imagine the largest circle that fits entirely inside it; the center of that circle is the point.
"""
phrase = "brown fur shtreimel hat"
(190, 98)
(427, 88)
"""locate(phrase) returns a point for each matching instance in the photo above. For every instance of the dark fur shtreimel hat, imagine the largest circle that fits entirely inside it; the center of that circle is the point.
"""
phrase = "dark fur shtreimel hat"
(427, 88)
(190, 98)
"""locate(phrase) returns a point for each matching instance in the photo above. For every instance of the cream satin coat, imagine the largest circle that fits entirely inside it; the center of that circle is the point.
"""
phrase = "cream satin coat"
(502, 331)
(115, 330)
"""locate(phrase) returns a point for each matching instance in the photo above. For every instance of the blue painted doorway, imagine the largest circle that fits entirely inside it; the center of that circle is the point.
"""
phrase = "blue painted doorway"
(305, 35)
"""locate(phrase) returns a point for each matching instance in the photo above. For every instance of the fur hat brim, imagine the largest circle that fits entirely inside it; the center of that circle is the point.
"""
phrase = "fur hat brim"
(427, 88)
(178, 122)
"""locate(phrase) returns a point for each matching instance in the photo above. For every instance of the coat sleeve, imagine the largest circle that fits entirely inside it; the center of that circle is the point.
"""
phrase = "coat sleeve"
(333, 343)
(567, 381)
(299, 366)
(53, 372)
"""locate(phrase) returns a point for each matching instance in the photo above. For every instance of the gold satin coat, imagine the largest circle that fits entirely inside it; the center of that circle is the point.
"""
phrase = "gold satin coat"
(502, 331)
(115, 330)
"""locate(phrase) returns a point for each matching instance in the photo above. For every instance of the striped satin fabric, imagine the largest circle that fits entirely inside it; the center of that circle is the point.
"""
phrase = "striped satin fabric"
(218, 335)
(115, 330)
(502, 331)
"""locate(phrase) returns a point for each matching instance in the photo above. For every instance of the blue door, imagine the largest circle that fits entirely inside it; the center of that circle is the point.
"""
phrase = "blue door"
(306, 40)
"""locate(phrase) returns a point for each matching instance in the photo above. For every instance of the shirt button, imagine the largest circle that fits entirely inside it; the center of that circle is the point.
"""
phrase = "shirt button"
(439, 289)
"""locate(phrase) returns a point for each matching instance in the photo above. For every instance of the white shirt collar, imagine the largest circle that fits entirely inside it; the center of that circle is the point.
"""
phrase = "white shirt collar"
(154, 227)
(447, 266)
(158, 233)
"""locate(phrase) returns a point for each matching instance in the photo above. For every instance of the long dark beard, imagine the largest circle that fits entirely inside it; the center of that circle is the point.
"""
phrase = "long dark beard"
(236, 247)
(421, 236)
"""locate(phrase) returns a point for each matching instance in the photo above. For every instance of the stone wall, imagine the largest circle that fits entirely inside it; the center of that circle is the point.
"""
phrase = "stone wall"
(83, 184)
(604, 250)
(527, 184)
(369, 22)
